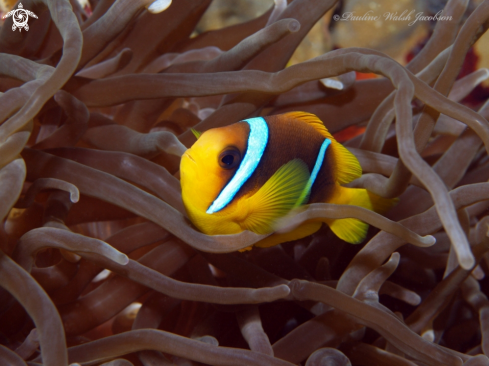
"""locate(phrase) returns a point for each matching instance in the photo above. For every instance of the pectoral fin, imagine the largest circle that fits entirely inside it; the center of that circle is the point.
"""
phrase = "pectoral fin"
(276, 197)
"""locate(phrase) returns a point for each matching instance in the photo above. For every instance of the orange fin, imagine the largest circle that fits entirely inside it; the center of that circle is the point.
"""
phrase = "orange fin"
(380, 204)
(300, 232)
(353, 230)
(347, 166)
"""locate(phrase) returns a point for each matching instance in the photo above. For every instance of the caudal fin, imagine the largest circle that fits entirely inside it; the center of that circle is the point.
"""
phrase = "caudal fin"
(354, 231)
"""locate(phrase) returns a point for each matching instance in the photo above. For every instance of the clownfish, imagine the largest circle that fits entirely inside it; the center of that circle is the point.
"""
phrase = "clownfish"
(247, 175)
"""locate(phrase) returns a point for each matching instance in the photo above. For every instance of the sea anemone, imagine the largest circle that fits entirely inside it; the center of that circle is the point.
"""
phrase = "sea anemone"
(98, 262)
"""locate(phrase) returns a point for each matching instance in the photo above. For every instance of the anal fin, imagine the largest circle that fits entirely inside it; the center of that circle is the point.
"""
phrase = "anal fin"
(352, 231)
(306, 229)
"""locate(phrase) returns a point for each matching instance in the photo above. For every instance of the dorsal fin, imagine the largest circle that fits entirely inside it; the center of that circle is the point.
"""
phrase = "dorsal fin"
(347, 166)
(312, 120)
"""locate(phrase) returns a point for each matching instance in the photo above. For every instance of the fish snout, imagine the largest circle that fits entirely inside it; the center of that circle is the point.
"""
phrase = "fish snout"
(187, 154)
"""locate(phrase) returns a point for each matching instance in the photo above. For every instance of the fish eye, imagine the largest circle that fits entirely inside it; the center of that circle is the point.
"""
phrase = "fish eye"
(229, 159)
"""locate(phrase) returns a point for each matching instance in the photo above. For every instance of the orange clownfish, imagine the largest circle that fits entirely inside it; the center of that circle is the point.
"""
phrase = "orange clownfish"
(247, 175)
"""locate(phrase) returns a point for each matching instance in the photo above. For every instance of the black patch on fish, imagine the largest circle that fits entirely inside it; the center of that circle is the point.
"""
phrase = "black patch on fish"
(292, 139)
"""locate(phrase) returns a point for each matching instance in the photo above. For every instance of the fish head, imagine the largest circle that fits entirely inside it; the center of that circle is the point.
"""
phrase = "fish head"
(210, 163)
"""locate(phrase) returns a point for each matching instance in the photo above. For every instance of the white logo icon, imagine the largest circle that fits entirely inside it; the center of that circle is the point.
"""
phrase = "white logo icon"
(20, 17)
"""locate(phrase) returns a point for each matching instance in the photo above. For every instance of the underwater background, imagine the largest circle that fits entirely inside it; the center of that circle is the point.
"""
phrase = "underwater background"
(99, 264)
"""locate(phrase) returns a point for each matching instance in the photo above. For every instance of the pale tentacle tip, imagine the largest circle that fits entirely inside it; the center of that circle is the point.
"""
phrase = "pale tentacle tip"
(332, 83)
(428, 240)
(415, 301)
(121, 258)
(34, 334)
(294, 26)
(158, 6)
(428, 335)
(75, 196)
(467, 261)
(395, 257)
(284, 289)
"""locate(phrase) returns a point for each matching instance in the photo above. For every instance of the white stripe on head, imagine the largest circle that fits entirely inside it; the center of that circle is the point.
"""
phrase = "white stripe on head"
(257, 141)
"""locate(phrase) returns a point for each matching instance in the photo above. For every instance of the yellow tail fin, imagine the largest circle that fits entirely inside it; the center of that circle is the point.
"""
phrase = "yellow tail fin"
(354, 231)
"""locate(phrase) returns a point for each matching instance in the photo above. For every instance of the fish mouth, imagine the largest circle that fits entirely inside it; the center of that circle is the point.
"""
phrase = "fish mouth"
(190, 157)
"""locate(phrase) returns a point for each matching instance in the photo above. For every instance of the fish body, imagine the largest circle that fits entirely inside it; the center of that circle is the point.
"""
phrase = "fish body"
(247, 175)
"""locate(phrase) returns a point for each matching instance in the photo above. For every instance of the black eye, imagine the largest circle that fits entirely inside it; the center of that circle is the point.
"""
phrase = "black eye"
(229, 159)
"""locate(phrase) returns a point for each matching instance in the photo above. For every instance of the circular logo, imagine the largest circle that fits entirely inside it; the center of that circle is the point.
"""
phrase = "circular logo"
(20, 16)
